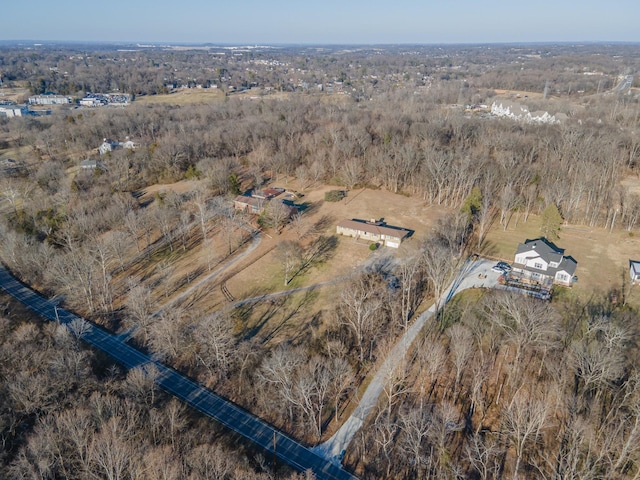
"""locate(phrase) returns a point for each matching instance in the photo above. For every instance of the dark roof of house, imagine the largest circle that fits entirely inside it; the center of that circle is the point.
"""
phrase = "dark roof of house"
(376, 228)
(568, 264)
(544, 247)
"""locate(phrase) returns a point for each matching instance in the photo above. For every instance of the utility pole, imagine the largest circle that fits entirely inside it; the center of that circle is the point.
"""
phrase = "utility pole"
(275, 458)
(546, 90)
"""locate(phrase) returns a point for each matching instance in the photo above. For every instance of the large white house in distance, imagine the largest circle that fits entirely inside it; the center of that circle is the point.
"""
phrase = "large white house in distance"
(541, 262)
(516, 111)
(49, 100)
(373, 231)
(109, 145)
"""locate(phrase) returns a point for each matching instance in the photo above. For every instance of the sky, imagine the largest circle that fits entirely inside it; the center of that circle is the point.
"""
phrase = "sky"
(322, 21)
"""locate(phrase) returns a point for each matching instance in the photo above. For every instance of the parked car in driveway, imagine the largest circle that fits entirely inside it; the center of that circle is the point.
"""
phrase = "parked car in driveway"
(504, 265)
(498, 269)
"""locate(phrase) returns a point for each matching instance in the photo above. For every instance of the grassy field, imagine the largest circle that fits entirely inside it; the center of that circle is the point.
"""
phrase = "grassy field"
(16, 153)
(14, 94)
(184, 97)
(396, 210)
(602, 257)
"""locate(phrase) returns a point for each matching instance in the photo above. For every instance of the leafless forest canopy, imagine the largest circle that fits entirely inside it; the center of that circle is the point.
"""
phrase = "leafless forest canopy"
(500, 386)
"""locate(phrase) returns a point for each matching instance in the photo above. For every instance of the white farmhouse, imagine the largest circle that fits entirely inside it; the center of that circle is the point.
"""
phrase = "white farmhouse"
(540, 262)
(109, 145)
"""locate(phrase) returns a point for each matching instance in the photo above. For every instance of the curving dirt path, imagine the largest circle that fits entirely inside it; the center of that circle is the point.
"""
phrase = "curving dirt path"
(226, 265)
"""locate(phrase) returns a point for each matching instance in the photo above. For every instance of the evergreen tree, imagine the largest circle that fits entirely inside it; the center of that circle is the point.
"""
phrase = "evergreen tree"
(551, 222)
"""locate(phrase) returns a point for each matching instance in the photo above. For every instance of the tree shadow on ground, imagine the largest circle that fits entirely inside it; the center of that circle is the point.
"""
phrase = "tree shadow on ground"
(318, 252)
(487, 249)
(245, 312)
(308, 298)
(322, 225)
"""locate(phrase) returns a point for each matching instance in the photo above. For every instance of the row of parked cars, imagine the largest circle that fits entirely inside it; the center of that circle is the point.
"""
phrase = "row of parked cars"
(501, 267)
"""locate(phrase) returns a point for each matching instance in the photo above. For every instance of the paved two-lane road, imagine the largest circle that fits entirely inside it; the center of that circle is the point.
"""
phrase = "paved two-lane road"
(212, 405)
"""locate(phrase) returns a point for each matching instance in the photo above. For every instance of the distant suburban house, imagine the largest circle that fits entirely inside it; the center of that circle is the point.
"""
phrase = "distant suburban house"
(109, 145)
(128, 144)
(49, 100)
(91, 164)
(541, 262)
(373, 231)
(634, 271)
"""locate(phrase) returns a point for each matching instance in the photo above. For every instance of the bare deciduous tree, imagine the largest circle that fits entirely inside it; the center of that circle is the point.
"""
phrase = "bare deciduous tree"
(358, 310)
(439, 264)
(278, 214)
(290, 255)
(485, 456)
(215, 344)
(461, 348)
(525, 420)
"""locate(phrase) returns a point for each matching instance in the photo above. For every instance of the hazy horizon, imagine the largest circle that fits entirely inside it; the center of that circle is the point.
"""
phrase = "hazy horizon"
(323, 23)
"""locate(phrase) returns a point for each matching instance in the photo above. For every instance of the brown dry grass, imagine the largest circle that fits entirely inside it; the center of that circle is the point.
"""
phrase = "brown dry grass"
(183, 186)
(17, 153)
(602, 257)
(518, 94)
(14, 94)
(395, 209)
(184, 97)
(194, 96)
(265, 274)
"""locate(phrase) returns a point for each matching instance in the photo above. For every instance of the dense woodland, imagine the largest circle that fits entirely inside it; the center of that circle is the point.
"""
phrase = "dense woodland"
(500, 386)
(67, 412)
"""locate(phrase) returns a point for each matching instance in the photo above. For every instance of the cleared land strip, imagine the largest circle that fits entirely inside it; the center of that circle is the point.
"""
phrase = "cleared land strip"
(212, 405)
